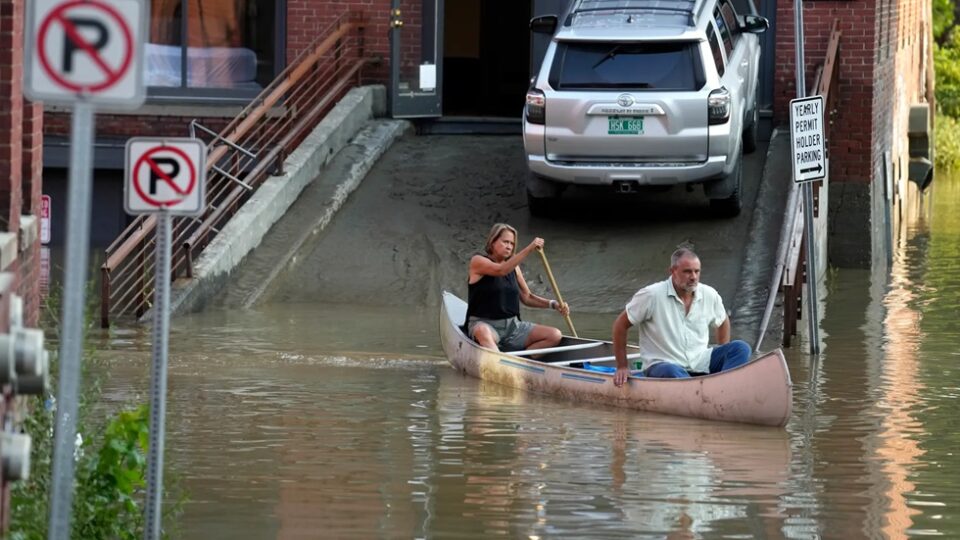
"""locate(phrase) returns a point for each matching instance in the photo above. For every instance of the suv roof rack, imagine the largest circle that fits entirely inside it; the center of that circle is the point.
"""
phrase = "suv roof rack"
(683, 7)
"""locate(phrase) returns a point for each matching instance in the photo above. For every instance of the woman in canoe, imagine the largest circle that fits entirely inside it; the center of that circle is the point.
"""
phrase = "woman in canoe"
(495, 290)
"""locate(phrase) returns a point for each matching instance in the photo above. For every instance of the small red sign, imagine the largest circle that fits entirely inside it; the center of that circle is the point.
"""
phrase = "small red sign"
(45, 219)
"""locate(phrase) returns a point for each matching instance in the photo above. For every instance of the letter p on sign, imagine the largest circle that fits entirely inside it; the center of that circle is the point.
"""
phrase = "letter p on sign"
(85, 50)
(165, 175)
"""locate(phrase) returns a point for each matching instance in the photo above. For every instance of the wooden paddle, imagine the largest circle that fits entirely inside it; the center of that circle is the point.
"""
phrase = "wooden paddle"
(556, 290)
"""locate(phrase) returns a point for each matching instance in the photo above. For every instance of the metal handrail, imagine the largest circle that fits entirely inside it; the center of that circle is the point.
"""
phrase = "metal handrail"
(795, 270)
(251, 147)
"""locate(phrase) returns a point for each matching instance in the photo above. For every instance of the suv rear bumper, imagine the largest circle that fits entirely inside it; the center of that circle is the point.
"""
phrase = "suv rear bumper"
(607, 174)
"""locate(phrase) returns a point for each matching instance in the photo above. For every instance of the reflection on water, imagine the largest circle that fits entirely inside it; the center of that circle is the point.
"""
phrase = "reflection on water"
(876, 416)
(313, 421)
(375, 446)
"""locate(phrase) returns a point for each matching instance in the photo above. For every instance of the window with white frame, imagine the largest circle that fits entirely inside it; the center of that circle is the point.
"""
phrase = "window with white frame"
(227, 46)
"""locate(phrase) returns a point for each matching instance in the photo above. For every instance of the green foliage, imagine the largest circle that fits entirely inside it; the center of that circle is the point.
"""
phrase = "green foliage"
(112, 480)
(29, 499)
(946, 61)
(942, 17)
(110, 465)
(947, 135)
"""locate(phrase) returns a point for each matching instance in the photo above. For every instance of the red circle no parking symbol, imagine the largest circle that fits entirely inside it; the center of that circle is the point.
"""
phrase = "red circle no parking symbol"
(179, 179)
(77, 20)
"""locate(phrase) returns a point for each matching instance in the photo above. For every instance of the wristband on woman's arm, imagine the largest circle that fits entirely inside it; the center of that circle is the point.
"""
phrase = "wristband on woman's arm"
(553, 304)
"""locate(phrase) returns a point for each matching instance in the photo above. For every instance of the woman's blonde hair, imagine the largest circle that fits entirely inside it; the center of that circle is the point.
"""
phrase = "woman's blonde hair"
(495, 233)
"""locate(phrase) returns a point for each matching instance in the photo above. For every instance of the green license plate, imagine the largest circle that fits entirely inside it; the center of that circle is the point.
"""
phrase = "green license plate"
(625, 125)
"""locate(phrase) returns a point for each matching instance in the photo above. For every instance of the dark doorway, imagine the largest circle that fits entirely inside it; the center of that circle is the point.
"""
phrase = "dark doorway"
(486, 61)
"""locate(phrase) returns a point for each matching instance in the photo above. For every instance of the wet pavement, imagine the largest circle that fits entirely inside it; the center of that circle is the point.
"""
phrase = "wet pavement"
(427, 205)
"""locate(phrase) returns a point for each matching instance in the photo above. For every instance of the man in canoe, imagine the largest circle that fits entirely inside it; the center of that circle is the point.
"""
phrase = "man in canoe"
(495, 289)
(675, 317)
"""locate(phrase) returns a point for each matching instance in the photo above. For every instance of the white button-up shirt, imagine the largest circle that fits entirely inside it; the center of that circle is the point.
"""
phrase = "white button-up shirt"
(668, 333)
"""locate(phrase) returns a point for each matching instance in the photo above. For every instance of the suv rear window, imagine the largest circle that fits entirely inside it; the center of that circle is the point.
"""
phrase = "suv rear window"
(634, 66)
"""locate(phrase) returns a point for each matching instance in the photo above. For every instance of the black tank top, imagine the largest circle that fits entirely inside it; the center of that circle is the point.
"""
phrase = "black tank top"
(494, 297)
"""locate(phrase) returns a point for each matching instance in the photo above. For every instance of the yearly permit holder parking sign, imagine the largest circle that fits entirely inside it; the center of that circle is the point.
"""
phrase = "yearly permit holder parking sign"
(165, 175)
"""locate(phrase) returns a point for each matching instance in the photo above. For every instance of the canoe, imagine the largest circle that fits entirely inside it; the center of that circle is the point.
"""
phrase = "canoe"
(759, 392)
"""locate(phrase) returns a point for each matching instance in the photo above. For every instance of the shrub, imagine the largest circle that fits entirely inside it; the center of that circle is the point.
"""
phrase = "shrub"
(110, 479)
(947, 137)
(110, 463)
(947, 66)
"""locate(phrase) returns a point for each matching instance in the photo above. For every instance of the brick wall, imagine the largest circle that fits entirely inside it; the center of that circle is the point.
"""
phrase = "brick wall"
(20, 186)
(128, 125)
(11, 112)
(907, 72)
(31, 190)
(32, 161)
(306, 19)
(852, 127)
(882, 71)
(21, 150)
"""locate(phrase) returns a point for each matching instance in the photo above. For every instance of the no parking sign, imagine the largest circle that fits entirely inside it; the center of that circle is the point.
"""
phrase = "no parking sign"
(85, 50)
(165, 175)
(82, 53)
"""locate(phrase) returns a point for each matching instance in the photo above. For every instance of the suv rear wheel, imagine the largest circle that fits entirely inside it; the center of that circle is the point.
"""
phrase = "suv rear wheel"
(730, 206)
(542, 195)
(540, 206)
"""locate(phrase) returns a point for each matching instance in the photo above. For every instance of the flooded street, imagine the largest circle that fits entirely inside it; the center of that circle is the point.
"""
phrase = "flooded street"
(339, 420)
(428, 203)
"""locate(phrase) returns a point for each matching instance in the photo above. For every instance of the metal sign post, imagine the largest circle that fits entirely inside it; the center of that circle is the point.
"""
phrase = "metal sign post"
(81, 53)
(163, 177)
(806, 174)
(71, 335)
(158, 385)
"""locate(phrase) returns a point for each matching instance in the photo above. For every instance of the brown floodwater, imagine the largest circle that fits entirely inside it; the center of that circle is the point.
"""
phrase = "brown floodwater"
(341, 421)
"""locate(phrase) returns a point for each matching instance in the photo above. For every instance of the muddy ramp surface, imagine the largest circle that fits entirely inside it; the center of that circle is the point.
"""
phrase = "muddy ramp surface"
(426, 206)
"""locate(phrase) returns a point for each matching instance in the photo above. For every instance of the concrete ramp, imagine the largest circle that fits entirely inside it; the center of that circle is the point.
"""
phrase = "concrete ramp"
(247, 228)
(309, 215)
(427, 203)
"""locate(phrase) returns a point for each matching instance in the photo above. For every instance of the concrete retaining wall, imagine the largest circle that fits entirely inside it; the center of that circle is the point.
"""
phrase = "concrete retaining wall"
(247, 228)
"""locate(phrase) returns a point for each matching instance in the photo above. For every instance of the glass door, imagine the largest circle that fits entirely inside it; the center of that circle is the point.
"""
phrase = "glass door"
(416, 71)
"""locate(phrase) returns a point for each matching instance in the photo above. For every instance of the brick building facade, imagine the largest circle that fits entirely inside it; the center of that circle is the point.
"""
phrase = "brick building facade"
(21, 147)
(886, 66)
(21, 162)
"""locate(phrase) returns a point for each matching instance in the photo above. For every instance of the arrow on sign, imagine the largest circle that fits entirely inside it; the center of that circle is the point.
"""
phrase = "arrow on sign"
(818, 168)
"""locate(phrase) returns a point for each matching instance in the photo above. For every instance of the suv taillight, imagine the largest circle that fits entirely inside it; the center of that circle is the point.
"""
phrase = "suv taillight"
(536, 106)
(718, 106)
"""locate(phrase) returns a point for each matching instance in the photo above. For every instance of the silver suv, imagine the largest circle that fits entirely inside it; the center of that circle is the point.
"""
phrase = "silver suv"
(644, 93)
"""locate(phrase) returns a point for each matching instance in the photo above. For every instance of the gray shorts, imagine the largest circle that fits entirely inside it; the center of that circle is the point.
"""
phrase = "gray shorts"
(511, 333)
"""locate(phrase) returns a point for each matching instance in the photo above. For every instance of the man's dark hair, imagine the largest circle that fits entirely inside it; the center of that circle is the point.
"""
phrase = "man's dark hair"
(680, 253)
